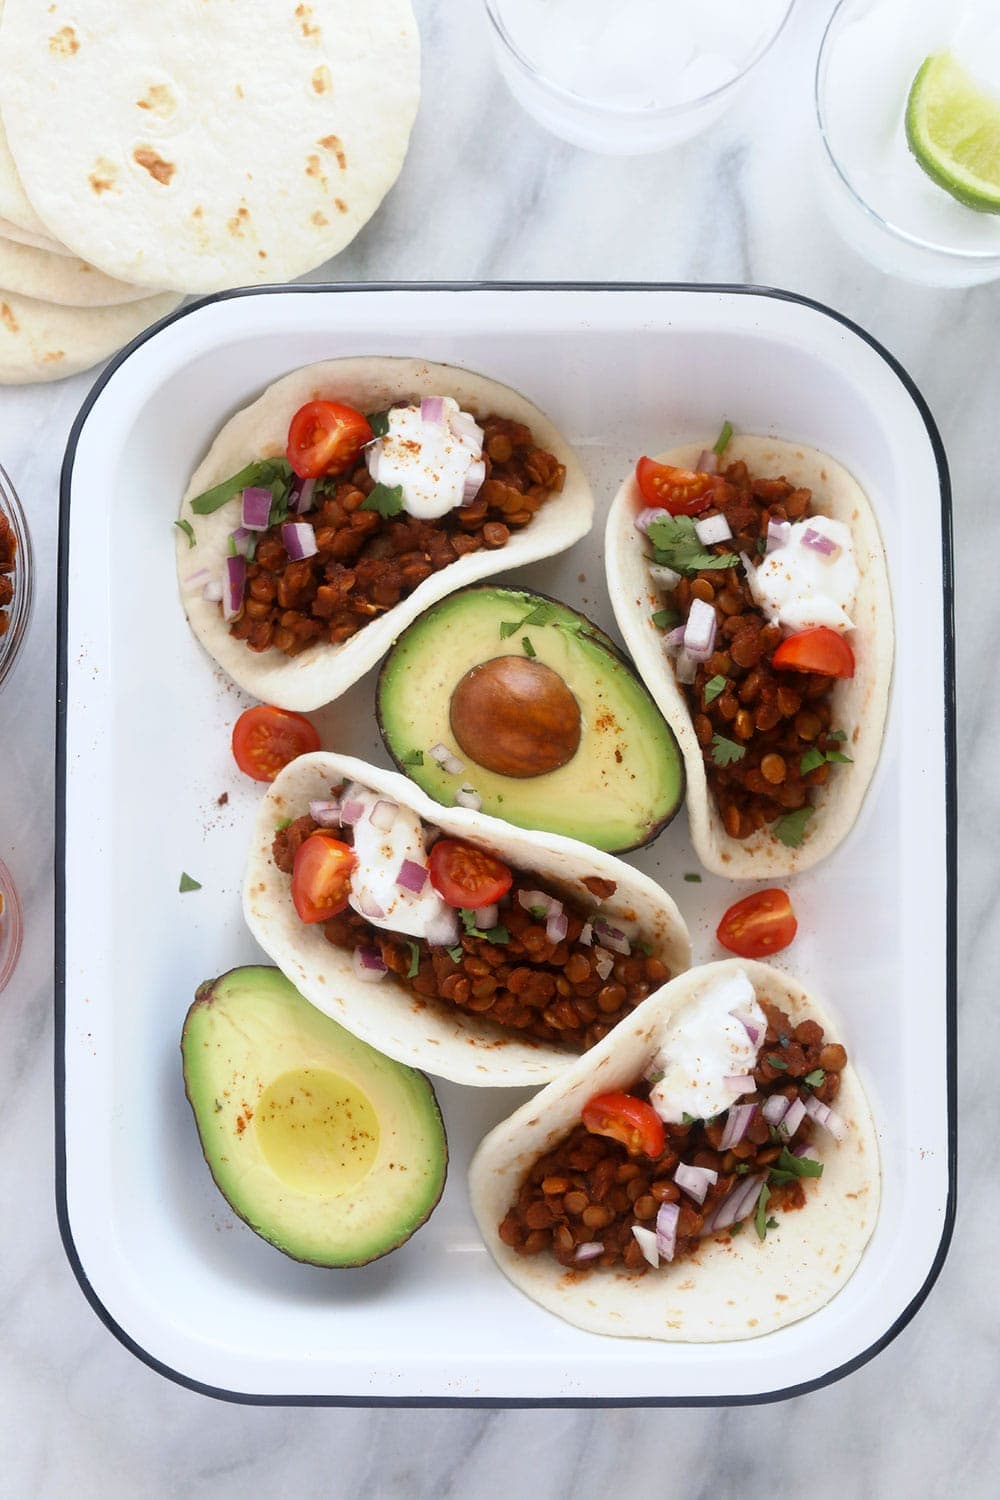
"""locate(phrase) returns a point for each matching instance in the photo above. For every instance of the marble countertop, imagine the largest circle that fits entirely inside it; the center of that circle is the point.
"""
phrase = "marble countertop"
(487, 195)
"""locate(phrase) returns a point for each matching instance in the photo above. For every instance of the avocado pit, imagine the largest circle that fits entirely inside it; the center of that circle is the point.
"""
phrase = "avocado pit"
(515, 716)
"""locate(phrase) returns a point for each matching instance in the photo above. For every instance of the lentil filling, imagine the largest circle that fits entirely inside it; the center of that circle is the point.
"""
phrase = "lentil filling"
(589, 1190)
(775, 718)
(367, 562)
(8, 557)
(554, 992)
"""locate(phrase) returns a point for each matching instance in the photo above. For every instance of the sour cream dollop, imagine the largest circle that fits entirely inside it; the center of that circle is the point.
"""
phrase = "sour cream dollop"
(434, 452)
(703, 1045)
(380, 857)
(797, 586)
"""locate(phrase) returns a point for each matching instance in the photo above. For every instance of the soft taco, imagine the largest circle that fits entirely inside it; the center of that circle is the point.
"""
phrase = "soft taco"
(483, 953)
(350, 496)
(752, 593)
(709, 1171)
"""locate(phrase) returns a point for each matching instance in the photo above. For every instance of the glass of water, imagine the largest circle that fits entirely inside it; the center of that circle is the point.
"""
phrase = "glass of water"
(635, 76)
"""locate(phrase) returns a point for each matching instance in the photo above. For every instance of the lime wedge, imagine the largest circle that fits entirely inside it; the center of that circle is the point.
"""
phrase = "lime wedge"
(953, 129)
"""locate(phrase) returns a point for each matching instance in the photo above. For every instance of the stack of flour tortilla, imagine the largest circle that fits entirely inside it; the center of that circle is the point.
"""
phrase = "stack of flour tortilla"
(161, 150)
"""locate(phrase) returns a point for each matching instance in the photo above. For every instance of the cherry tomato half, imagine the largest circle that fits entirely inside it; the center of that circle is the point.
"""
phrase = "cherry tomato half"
(818, 649)
(624, 1118)
(265, 739)
(466, 876)
(684, 492)
(758, 925)
(321, 877)
(325, 437)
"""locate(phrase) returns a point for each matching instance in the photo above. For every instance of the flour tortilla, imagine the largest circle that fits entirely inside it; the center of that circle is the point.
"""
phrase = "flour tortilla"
(43, 341)
(207, 144)
(60, 278)
(323, 672)
(14, 205)
(12, 231)
(732, 1288)
(452, 1045)
(860, 703)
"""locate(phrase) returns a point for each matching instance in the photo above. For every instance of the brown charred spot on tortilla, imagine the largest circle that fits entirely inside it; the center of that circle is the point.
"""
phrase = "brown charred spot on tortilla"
(333, 143)
(64, 43)
(152, 162)
(599, 887)
(322, 80)
(7, 317)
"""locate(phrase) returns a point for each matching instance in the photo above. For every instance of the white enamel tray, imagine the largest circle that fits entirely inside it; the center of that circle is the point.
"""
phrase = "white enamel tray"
(144, 758)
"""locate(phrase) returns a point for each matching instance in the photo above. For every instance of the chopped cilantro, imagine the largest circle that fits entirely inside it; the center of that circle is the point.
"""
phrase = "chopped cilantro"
(811, 760)
(666, 619)
(736, 1228)
(231, 545)
(777, 1062)
(713, 687)
(788, 1167)
(644, 947)
(280, 827)
(741, 1169)
(761, 546)
(836, 734)
(677, 545)
(262, 474)
(188, 531)
(412, 758)
(655, 1077)
(188, 883)
(692, 879)
(414, 968)
(378, 421)
(498, 934)
(815, 1079)
(722, 441)
(387, 499)
(529, 649)
(772, 1223)
(760, 1216)
(687, 1119)
(538, 912)
(726, 752)
(542, 614)
(507, 628)
(455, 954)
(791, 828)
(839, 757)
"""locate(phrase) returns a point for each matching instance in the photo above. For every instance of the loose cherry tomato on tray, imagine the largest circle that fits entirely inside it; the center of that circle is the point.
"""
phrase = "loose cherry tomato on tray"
(684, 492)
(265, 739)
(624, 1118)
(326, 437)
(758, 925)
(466, 876)
(321, 877)
(818, 649)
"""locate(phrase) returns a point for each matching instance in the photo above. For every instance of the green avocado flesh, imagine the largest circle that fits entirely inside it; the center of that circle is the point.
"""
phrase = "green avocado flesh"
(619, 785)
(332, 1152)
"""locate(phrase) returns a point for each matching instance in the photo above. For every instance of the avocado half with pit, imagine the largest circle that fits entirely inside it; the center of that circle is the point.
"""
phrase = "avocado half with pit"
(330, 1151)
(526, 705)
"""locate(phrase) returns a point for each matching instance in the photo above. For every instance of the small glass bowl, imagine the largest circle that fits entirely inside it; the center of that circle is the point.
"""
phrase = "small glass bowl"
(11, 926)
(601, 124)
(18, 612)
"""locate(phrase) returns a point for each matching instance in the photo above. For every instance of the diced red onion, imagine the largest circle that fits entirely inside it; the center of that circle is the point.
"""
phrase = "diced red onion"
(473, 482)
(557, 927)
(695, 1181)
(304, 499)
(432, 410)
(603, 962)
(708, 462)
(664, 577)
(586, 934)
(749, 568)
(666, 1229)
(820, 543)
(674, 639)
(646, 1240)
(740, 1083)
(368, 966)
(685, 667)
(534, 899)
(825, 1116)
(196, 580)
(244, 541)
(446, 760)
(645, 518)
(588, 1251)
(809, 1152)
(467, 796)
(465, 427)
(699, 631)
(612, 937)
(753, 1030)
(713, 529)
(778, 534)
(299, 540)
(412, 877)
(793, 1118)
(737, 1125)
(383, 816)
(234, 582)
(256, 508)
(213, 591)
(326, 814)
(735, 1205)
(442, 929)
(351, 813)
(487, 916)
(370, 908)
(775, 1108)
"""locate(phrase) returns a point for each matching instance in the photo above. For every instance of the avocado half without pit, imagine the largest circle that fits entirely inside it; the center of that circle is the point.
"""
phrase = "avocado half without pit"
(527, 705)
(330, 1151)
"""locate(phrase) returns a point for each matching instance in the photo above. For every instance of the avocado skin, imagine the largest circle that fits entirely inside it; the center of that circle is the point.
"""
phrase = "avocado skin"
(562, 806)
(235, 991)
